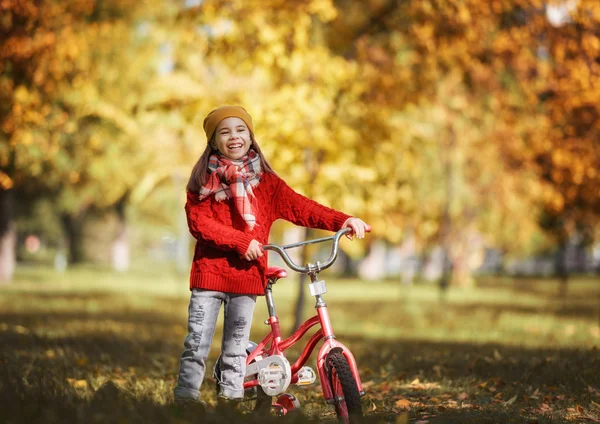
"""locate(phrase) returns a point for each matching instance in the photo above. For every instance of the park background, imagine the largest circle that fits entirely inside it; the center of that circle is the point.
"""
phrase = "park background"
(465, 132)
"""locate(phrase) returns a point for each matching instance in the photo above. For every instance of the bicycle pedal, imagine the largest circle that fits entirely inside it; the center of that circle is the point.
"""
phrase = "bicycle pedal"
(306, 376)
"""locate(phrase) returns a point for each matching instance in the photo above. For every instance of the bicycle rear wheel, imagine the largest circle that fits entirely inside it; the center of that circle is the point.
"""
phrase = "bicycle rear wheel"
(346, 398)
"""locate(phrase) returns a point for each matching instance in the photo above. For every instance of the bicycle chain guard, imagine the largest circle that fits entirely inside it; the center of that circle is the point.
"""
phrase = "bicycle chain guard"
(274, 374)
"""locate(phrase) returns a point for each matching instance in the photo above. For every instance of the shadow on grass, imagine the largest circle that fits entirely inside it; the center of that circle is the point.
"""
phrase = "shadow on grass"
(35, 368)
(42, 397)
(43, 352)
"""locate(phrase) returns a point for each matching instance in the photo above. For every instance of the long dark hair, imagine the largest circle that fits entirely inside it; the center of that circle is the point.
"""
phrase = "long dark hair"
(199, 174)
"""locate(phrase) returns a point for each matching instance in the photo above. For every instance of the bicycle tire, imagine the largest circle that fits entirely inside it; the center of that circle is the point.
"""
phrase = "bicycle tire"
(344, 389)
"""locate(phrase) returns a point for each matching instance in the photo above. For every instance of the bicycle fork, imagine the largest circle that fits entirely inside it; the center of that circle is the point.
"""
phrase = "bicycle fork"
(317, 289)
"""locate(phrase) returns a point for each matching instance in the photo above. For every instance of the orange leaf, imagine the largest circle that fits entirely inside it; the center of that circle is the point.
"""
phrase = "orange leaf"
(402, 404)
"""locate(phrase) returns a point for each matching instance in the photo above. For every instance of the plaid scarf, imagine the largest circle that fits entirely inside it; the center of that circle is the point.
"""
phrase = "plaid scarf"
(229, 178)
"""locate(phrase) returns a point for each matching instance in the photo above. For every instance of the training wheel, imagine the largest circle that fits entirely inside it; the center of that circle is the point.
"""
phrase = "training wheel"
(286, 403)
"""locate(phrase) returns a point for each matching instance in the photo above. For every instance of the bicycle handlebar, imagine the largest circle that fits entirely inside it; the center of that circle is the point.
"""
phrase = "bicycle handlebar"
(319, 266)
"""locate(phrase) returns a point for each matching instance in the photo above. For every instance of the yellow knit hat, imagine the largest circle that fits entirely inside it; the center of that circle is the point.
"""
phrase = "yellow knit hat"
(226, 111)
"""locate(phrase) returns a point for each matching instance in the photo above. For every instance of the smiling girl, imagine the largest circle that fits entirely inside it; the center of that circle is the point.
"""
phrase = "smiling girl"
(233, 198)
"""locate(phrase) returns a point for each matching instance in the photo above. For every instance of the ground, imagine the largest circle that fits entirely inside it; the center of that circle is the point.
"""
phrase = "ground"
(90, 345)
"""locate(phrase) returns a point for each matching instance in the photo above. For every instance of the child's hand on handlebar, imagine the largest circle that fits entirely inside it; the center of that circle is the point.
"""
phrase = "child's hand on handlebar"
(359, 227)
(254, 251)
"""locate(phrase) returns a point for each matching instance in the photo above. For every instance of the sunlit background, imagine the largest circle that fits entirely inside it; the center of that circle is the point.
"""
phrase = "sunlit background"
(466, 132)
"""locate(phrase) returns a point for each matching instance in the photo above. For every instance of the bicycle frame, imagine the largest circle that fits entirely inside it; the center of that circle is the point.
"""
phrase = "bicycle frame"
(273, 344)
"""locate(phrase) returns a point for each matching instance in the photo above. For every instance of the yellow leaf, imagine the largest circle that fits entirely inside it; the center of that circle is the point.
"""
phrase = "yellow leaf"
(77, 384)
(21, 330)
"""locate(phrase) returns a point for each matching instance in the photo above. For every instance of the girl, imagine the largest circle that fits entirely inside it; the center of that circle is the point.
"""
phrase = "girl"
(233, 197)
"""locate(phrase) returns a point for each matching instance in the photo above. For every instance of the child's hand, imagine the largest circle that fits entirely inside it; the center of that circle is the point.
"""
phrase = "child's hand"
(359, 227)
(254, 251)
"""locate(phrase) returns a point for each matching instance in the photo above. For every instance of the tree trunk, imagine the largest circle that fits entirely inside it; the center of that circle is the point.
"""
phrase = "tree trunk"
(301, 300)
(120, 256)
(8, 236)
(446, 224)
(561, 268)
(73, 227)
(312, 164)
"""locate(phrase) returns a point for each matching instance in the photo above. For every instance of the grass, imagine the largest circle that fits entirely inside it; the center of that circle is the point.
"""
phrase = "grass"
(94, 346)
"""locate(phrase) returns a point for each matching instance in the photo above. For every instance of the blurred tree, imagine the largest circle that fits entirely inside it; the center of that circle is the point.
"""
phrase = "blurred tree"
(33, 66)
(449, 118)
(79, 122)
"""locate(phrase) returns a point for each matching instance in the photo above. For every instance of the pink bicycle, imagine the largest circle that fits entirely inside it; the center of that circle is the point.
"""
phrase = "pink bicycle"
(269, 373)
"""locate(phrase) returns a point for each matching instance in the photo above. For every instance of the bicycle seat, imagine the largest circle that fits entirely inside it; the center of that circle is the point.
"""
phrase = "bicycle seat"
(276, 272)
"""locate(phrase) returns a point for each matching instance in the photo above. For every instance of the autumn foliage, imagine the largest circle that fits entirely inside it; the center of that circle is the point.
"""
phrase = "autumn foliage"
(439, 118)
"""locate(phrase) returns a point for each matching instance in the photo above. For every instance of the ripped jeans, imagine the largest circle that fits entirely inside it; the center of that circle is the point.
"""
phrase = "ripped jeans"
(202, 319)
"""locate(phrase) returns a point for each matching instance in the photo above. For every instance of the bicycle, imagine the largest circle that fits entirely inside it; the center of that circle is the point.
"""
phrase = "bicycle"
(269, 373)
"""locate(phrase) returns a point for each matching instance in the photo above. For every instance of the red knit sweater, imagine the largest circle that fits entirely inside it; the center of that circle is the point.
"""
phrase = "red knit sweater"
(223, 238)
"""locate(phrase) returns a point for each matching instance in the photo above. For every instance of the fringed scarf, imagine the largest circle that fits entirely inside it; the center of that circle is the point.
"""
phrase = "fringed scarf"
(230, 178)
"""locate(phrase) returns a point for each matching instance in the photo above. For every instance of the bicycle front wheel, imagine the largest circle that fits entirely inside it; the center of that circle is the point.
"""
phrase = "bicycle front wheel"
(346, 398)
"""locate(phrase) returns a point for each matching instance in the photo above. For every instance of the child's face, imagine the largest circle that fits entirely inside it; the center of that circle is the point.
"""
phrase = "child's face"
(232, 138)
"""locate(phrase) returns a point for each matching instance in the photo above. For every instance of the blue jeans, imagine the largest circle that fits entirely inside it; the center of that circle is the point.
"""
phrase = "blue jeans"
(202, 319)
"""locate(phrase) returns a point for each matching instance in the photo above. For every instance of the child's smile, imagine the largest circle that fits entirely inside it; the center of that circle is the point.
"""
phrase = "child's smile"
(232, 138)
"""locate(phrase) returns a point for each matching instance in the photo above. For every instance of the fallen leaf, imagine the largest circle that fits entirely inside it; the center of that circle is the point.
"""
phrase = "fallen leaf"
(422, 422)
(19, 329)
(497, 355)
(434, 400)
(402, 404)
(373, 407)
(463, 396)
(78, 384)
(579, 409)
(415, 382)
(367, 384)
(510, 401)
(597, 405)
